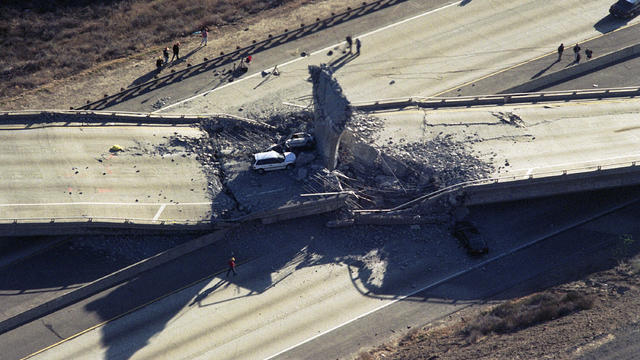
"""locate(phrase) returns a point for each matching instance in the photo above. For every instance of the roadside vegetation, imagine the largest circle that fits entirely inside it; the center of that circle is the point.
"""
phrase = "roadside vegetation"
(45, 40)
(520, 314)
(509, 317)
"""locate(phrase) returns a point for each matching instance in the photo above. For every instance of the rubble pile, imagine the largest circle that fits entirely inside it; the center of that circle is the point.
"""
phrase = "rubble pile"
(160, 103)
(389, 175)
(445, 160)
(509, 118)
(364, 126)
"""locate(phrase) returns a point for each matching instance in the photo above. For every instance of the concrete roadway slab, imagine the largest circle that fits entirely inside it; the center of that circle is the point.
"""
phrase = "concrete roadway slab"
(422, 56)
(67, 171)
(551, 137)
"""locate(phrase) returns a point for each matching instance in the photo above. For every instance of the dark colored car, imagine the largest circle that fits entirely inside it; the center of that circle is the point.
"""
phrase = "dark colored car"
(625, 9)
(470, 237)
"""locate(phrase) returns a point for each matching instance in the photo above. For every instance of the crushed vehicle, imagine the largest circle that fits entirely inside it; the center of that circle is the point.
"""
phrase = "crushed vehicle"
(470, 237)
(300, 141)
(273, 160)
(625, 9)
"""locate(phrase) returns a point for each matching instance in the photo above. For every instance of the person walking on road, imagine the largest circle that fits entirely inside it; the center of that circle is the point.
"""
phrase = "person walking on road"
(349, 43)
(165, 53)
(232, 267)
(576, 53)
(159, 64)
(205, 35)
(560, 51)
(176, 51)
(358, 46)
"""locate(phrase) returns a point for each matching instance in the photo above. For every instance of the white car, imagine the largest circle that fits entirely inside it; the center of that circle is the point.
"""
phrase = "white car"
(273, 160)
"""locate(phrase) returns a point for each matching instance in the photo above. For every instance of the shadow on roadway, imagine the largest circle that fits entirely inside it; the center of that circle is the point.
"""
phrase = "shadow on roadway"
(156, 72)
(610, 23)
(566, 257)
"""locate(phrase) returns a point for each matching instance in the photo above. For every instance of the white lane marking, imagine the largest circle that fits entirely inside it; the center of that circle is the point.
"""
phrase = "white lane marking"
(312, 54)
(105, 203)
(160, 210)
(462, 272)
(528, 173)
(584, 164)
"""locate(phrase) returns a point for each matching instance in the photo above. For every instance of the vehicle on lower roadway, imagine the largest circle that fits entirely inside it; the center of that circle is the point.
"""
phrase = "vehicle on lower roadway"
(470, 237)
(273, 160)
(625, 9)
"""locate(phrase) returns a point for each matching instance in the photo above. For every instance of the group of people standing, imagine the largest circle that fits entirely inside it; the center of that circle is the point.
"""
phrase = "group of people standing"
(164, 60)
(576, 53)
(160, 62)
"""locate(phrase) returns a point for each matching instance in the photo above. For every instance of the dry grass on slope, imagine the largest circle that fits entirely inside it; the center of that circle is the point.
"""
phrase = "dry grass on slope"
(43, 40)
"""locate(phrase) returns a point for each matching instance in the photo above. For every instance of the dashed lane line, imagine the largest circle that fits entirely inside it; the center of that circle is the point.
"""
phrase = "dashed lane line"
(160, 210)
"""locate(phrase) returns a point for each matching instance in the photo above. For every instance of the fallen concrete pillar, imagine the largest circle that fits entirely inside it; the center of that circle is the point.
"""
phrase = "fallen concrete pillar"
(332, 111)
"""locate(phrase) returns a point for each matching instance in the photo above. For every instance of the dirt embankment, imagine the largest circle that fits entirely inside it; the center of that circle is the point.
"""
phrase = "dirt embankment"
(565, 322)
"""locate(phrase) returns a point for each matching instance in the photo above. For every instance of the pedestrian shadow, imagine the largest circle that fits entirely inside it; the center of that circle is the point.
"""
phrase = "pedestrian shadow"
(144, 78)
(338, 63)
(574, 62)
(187, 56)
(203, 295)
(610, 23)
(539, 73)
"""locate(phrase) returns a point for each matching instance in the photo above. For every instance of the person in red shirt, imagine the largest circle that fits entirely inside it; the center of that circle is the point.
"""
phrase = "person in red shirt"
(232, 267)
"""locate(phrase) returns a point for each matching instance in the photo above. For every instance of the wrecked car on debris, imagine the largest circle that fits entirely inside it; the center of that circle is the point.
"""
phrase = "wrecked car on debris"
(273, 160)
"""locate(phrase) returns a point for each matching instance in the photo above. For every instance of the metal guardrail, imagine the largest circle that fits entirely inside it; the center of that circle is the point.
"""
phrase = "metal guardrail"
(97, 116)
(240, 52)
(499, 99)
